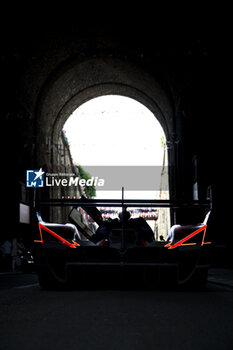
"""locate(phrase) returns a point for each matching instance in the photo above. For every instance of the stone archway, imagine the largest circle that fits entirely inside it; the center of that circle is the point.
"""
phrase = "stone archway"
(77, 82)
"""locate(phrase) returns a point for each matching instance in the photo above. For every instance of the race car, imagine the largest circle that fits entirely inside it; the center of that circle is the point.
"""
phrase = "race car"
(121, 252)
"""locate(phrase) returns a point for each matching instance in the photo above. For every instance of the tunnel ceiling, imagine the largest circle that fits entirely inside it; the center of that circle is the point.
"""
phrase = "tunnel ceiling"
(33, 50)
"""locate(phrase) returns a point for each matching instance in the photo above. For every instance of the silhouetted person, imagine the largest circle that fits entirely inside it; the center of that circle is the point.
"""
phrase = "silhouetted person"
(144, 231)
(6, 254)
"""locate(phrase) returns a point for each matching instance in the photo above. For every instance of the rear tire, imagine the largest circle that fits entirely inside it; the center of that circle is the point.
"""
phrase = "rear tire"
(47, 280)
(198, 280)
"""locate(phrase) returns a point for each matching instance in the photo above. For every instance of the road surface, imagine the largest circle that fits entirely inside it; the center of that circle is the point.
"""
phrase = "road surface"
(114, 319)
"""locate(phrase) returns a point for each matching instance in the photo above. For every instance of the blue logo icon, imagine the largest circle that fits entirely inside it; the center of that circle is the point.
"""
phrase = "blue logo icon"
(35, 178)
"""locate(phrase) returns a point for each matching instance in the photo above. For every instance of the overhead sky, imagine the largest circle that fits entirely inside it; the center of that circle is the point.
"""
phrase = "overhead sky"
(114, 130)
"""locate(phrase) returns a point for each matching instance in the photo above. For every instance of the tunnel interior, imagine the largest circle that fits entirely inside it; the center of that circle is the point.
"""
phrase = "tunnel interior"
(49, 74)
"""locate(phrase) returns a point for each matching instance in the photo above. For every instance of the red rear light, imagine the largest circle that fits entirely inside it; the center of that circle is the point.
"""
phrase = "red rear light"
(64, 241)
(183, 241)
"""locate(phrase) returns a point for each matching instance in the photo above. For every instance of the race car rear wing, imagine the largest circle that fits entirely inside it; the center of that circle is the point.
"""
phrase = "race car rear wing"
(124, 203)
(90, 205)
(87, 204)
